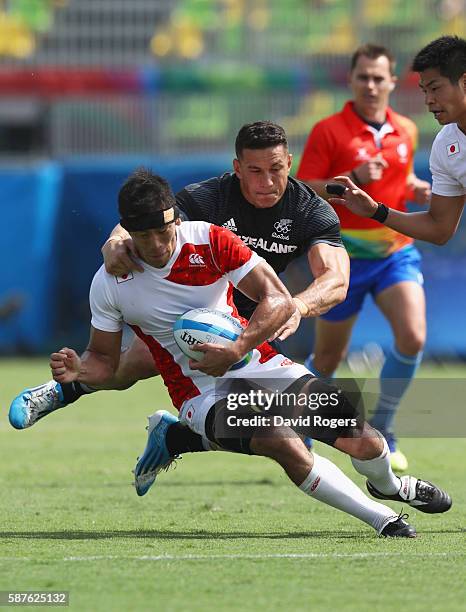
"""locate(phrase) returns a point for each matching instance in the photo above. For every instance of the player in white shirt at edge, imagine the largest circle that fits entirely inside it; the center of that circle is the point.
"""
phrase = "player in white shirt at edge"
(442, 70)
(152, 301)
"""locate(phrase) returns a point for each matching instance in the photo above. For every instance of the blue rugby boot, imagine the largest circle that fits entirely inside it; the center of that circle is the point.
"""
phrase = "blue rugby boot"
(33, 404)
(155, 456)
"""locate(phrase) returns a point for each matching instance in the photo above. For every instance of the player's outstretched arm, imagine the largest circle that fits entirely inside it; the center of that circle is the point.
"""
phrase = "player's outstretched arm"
(97, 364)
(437, 224)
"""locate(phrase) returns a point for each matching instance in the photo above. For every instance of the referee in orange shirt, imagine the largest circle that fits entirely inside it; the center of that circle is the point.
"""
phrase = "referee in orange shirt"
(373, 145)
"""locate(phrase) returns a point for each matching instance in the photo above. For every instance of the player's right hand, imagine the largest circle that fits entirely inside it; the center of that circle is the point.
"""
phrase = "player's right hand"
(217, 359)
(371, 170)
(355, 199)
(65, 365)
(120, 256)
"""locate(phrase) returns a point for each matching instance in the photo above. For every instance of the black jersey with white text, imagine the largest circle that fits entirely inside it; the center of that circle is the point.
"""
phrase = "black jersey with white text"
(279, 234)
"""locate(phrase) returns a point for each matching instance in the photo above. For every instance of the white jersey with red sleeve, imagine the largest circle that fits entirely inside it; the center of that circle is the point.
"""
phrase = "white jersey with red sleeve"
(207, 263)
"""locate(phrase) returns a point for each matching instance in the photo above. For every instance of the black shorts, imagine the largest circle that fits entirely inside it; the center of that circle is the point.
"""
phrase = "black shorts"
(322, 411)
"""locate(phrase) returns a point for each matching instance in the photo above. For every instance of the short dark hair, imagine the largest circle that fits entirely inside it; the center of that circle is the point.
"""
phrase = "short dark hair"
(373, 51)
(447, 54)
(260, 135)
(144, 193)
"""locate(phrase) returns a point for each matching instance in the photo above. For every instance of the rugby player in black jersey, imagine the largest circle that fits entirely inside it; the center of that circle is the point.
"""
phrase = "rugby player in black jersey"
(280, 218)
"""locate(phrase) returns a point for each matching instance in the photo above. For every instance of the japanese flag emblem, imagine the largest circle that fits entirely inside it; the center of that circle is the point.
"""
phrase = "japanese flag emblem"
(453, 148)
(124, 278)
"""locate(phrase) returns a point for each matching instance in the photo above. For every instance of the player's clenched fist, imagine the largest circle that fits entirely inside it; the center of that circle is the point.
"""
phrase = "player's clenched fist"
(65, 365)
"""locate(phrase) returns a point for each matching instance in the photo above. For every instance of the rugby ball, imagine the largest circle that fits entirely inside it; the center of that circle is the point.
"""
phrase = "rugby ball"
(204, 325)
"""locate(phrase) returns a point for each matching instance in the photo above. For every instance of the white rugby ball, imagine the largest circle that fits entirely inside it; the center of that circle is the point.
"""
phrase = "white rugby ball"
(204, 325)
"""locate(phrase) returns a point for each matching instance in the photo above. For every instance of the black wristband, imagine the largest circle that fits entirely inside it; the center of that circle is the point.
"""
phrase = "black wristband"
(381, 213)
(355, 178)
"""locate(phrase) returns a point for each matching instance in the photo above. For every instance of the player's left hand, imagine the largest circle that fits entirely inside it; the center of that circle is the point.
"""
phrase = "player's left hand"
(217, 359)
(422, 192)
(288, 328)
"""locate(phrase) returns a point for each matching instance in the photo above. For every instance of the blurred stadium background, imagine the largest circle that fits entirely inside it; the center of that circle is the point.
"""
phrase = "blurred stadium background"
(89, 89)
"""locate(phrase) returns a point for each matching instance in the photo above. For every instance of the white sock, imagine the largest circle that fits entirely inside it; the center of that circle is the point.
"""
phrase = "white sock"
(379, 472)
(328, 484)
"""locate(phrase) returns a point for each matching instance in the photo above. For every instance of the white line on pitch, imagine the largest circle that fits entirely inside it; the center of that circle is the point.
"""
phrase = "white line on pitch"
(242, 556)
(258, 556)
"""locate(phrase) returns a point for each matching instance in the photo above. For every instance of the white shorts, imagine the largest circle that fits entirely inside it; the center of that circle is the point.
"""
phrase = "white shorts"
(275, 375)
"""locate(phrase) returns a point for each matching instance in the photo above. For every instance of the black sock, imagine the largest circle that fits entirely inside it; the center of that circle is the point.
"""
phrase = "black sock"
(180, 439)
(72, 391)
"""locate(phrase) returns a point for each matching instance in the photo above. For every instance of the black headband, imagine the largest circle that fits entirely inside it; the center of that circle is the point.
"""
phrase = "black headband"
(153, 220)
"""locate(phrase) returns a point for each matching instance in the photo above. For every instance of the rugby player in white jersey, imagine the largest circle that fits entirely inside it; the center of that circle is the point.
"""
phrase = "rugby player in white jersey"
(151, 301)
(442, 70)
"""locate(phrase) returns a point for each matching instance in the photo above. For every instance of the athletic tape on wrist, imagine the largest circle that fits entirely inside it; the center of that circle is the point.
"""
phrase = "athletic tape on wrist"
(301, 306)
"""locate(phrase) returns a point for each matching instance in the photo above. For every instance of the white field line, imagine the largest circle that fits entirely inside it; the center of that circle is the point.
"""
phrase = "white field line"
(242, 556)
(257, 556)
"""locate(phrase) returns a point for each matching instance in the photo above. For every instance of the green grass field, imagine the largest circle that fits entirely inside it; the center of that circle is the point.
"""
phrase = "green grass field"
(221, 531)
